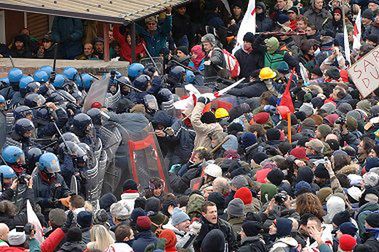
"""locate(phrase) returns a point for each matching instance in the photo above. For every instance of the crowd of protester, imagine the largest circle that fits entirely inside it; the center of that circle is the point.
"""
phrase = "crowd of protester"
(242, 174)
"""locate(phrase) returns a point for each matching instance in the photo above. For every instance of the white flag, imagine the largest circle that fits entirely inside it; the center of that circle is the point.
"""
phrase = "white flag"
(347, 46)
(33, 219)
(357, 33)
(248, 23)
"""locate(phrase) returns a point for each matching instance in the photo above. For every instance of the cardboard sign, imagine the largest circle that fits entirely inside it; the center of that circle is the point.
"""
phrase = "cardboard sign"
(365, 73)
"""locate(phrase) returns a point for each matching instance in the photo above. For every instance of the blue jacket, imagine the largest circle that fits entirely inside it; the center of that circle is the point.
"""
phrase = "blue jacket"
(143, 239)
(68, 32)
(158, 40)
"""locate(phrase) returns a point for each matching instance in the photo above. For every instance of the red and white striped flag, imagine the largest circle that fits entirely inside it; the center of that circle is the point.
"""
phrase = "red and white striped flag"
(357, 33)
(248, 23)
(347, 45)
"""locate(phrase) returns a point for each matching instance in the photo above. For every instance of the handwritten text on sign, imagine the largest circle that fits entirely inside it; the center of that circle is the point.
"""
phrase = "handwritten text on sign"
(365, 73)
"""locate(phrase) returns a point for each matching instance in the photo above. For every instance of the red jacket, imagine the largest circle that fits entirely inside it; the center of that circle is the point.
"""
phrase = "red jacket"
(126, 49)
(12, 249)
(51, 242)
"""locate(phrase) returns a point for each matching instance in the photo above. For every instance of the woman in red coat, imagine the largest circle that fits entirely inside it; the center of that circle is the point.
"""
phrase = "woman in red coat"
(125, 40)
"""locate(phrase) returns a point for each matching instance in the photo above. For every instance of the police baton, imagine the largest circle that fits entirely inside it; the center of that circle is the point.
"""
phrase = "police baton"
(151, 58)
(10, 57)
(126, 84)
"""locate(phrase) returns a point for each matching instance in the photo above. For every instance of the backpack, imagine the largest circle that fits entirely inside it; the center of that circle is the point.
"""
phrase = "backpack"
(257, 246)
(232, 64)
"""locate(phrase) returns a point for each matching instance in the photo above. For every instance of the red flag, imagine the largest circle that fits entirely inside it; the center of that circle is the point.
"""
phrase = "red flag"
(286, 97)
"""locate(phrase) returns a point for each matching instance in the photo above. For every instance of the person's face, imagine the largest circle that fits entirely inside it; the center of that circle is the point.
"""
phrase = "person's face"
(319, 4)
(376, 19)
(311, 224)
(25, 32)
(196, 158)
(99, 46)
(318, 134)
(184, 226)
(258, 10)
(214, 142)
(88, 49)
(247, 45)
(129, 39)
(309, 31)
(369, 42)
(301, 26)
(366, 21)
(337, 16)
(281, 4)
(111, 38)
(4, 233)
(46, 44)
(19, 45)
(272, 230)
(292, 15)
(338, 234)
(28, 134)
(180, 54)
(373, 6)
(211, 214)
(193, 55)
(361, 149)
(308, 151)
(311, 51)
(207, 46)
(117, 49)
(182, 10)
(157, 192)
(151, 26)
(237, 11)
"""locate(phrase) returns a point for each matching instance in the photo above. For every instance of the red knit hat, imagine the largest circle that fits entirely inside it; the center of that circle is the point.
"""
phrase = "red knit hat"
(261, 118)
(245, 195)
(144, 222)
(299, 153)
(347, 242)
(170, 238)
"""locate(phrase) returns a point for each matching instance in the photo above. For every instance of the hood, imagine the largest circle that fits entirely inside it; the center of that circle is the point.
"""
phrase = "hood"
(263, 6)
(129, 196)
(163, 118)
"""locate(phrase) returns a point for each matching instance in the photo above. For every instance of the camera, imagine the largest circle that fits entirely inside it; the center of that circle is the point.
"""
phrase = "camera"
(280, 198)
(341, 120)
(28, 228)
(23, 178)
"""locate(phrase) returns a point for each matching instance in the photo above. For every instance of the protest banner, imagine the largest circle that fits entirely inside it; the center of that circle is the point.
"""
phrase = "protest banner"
(365, 73)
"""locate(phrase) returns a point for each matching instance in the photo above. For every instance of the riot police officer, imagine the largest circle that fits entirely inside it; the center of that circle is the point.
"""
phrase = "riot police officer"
(15, 158)
(23, 132)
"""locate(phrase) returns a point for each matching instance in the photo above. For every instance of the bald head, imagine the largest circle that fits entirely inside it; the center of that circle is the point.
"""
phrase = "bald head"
(221, 185)
(331, 137)
(4, 230)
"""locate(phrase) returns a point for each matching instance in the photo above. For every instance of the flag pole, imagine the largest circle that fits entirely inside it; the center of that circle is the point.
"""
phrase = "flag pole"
(289, 133)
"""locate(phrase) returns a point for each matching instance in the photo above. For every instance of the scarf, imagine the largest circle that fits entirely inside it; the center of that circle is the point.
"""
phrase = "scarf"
(198, 50)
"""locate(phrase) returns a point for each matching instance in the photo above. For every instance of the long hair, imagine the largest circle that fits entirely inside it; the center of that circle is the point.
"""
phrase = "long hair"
(309, 203)
(101, 237)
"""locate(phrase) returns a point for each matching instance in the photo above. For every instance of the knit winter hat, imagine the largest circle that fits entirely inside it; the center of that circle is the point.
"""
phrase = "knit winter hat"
(194, 205)
(373, 220)
(302, 187)
(347, 242)
(248, 139)
(183, 49)
(354, 192)
(153, 204)
(283, 18)
(239, 181)
(251, 228)
(16, 238)
(261, 118)
(273, 134)
(107, 200)
(329, 108)
(316, 145)
(341, 217)
(236, 208)
(275, 176)
(371, 179)
(136, 213)
(178, 216)
(120, 211)
(308, 123)
(368, 14)
(208, 118)
(244, 194)
(324, 130)
(364, 105)
(283, 227)
(218, 199)
(371, 163)
(249, 37)
(323, 194)
(344, 108)
(333, 73)
(351, 123)
(321, 172)
(143, 223)
(214, 241)
(259, 157)
(84, 219)
(299, 153)
(348, 228)
(306, 174)
(129, 184)
(74, 234)
(307, 108)
(268, 191)
(334, 205)
(272, 44)
(169, 236)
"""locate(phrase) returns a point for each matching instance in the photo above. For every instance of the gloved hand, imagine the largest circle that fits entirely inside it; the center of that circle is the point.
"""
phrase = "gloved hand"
(70, 217)
(195, 227)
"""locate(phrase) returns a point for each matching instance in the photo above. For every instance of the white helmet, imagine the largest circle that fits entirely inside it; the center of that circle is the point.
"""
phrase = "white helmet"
(213, 170)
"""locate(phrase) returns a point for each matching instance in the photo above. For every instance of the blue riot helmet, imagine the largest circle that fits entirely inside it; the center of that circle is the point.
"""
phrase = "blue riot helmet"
(41, 76)
(47, 69)
(141, 82)
(81, 121)
(33, 87)
(164, 95)
(7, 175)
(34, 100)
(96, 116)
(32, 156)
(3, 103)
(22, 112)
(15, 75)
(176, 74)
(69, 136)
(84, 81)
(56, 98)
(25, 80)
(24, 127)
(70, 73)
(43, 116)
(59, 81)
(7, 172)
(48, 163)
(13, 155)
(190, 76)
(134, 70)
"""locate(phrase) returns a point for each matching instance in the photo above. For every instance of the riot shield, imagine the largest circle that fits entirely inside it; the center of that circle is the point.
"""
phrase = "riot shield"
(139, 157)
(94, 179)
(9, 122)
(10, 142)
(74, 185)
(3, 130)
(111, 100)
(96, 93)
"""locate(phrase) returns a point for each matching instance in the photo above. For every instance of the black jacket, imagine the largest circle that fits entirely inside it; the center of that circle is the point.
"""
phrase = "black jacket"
(217, 61)
(181, 25)
(249, 62)
(73, 247)
(181, 184)
(253, 89)
(250, 242)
